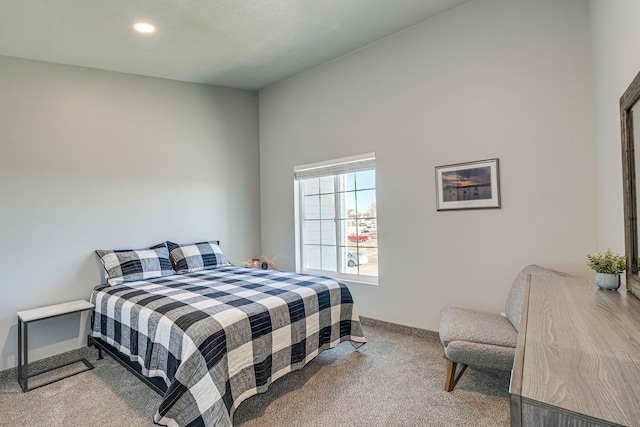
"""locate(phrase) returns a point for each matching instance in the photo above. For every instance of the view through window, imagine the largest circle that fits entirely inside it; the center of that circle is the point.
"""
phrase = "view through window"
(337, 219)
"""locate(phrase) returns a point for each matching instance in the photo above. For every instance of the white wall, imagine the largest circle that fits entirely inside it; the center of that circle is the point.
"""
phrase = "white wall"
(100, 160)
(492, 78)
(616, 61)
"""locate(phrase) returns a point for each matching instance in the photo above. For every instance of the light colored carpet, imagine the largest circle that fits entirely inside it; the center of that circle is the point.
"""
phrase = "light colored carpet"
(396, 379)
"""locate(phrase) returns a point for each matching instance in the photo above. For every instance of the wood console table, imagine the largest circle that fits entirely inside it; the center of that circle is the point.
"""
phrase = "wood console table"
(577, 357)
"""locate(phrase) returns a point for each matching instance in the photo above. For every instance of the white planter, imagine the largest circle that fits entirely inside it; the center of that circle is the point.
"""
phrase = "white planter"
(608, 281)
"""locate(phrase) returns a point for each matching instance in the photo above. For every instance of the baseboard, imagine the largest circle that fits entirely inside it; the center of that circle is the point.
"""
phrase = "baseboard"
(401, 329)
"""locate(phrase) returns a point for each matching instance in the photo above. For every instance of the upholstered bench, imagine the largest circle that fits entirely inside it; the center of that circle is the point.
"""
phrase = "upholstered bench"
(484, 340)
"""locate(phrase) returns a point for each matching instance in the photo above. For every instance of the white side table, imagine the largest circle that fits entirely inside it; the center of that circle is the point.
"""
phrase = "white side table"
(28, 316)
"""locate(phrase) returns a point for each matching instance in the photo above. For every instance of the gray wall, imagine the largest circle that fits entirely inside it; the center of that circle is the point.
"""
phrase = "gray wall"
(616, 61)
(92, 159)
(100, 160)
(491, 78)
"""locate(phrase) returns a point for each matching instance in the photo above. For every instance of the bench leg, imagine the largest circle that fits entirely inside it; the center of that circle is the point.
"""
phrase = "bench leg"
(454, 372)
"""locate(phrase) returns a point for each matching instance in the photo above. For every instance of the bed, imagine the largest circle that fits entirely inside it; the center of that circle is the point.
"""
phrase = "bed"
(211, 338)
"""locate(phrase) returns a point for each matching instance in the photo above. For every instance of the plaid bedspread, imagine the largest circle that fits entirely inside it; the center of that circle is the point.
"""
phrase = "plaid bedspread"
(218, 337)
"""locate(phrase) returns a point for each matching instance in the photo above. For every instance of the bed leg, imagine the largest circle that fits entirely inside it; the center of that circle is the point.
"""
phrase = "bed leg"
(90, 343)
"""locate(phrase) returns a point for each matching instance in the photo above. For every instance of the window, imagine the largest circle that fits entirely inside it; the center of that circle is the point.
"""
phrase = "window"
(336, 219)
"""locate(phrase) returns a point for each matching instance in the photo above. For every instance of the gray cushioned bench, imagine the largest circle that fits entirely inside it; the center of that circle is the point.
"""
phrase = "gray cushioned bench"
(484, 340)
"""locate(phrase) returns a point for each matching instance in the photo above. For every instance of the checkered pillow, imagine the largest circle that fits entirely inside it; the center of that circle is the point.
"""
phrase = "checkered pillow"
(135, 264)
(196, 256)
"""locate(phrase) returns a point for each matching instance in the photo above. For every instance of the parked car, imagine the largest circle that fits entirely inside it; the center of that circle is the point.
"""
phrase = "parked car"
(353, 237)
(356, 258)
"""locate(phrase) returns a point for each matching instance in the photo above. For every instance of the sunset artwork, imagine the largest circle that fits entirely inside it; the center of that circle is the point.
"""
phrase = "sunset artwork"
(467, 184)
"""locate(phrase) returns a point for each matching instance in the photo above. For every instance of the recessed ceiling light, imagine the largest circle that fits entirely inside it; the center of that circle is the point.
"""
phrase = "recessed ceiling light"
(143, 27)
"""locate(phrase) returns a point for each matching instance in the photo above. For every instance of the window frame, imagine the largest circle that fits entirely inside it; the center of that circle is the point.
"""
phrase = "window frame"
(335, 169)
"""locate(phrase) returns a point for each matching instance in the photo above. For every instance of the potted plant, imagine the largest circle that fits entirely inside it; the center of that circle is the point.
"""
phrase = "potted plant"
(608, 267)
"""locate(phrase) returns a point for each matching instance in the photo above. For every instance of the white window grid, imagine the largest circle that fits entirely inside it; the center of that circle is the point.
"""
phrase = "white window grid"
(333, 259)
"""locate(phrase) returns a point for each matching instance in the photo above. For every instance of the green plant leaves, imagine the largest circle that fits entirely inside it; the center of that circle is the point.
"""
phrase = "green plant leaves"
(607, 262)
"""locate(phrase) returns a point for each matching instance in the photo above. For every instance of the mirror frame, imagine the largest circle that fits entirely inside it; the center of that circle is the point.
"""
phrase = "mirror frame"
(627, 102)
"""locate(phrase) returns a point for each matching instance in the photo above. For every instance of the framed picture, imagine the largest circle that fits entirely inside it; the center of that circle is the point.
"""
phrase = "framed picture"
(473, 185)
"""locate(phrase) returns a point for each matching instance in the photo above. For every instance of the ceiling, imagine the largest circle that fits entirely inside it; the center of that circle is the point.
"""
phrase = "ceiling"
(232, 43)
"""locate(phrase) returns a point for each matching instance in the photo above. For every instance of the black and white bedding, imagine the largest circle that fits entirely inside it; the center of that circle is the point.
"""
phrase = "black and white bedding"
(217, 337)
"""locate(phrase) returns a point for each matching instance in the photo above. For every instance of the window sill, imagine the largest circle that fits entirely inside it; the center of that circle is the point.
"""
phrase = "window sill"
(359, 282)
(347, 278)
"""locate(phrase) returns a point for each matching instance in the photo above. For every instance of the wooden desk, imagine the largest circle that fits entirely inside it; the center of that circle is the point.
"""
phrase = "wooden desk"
(577, 357)
(28, 316)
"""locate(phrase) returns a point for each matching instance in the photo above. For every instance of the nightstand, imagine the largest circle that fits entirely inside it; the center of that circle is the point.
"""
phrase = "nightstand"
(29, 316)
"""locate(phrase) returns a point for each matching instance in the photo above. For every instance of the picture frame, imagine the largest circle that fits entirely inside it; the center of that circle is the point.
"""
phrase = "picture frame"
(470, 185)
